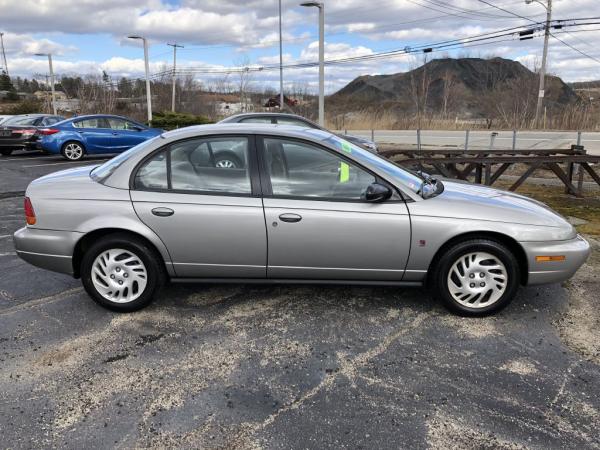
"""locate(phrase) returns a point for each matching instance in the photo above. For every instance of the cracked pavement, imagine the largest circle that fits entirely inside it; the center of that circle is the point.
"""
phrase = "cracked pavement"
(291, 366)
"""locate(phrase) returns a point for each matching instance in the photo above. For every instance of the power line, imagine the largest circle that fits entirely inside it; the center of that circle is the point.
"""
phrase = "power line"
(465, 42)
(506, 10)
(575, 49)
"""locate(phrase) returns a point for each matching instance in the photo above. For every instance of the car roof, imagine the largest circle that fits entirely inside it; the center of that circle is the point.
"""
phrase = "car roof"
(36, 115)
(246, 128)
(270, 114)
(96, 116)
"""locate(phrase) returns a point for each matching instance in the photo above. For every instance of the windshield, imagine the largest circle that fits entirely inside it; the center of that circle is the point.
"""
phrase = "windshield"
(413, 181)
(105, 170)
(19, 120)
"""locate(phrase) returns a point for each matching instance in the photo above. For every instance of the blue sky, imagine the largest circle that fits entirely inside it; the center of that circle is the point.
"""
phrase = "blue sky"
(87, 37)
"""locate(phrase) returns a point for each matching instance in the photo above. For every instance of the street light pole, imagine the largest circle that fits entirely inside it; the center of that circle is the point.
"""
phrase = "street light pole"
(49, 55)
(4, 54)
(148, 93)
(175, 46)
(540, 100)
(321, 7)
(281, 99)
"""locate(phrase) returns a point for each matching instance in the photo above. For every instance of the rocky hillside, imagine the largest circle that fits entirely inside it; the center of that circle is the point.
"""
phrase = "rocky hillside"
(469, 87)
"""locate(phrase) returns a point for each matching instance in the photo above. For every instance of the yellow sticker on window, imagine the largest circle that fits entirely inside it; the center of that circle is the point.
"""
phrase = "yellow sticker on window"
(344, 173)
(346, 147)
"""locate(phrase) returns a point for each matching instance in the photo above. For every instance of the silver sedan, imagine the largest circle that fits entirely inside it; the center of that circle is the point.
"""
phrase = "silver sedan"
(303, 206)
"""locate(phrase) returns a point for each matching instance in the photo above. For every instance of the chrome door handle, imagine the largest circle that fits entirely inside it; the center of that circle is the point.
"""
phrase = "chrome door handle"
(163, 212)
(288, 217)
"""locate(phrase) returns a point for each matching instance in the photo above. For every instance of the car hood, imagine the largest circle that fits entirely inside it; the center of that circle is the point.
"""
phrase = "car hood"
(469, 201)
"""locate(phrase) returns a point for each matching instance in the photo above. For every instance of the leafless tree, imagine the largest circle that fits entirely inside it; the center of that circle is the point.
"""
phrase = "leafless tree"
(244, 81)
(419, 87)
(96, 95)
(448, 92)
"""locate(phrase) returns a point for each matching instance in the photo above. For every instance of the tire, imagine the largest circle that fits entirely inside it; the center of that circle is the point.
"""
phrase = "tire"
(476, 277)
(228, 160)
(73, 151)
(6, 152)
(123, 259)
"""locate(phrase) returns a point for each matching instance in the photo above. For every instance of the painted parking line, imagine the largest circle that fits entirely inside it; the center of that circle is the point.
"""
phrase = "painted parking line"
(67, 162)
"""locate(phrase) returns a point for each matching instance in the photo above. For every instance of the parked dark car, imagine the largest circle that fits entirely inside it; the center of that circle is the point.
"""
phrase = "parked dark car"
(22, 132)
(94, 134)
(294, 119)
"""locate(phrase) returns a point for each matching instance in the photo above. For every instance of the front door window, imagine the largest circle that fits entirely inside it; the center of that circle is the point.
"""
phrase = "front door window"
(302, 170)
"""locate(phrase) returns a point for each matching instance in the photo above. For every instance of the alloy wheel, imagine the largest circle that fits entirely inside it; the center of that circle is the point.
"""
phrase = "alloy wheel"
(73, 151)
(119, 275)
(225, 164)
(477, 280)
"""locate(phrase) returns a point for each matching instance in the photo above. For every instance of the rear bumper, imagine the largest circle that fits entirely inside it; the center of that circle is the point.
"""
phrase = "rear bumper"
(576, 252)
(48, 249)
(17, 144)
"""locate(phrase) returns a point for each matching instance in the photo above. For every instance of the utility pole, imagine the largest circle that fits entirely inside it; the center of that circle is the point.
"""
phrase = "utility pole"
(281, 99)
(4, 54)
(49, 55)
(147, 65)
(175, 47)
(541, 93)
(321, 7)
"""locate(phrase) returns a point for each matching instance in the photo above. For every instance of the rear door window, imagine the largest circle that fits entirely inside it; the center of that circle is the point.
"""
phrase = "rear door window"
(193, 165)
(91, 123)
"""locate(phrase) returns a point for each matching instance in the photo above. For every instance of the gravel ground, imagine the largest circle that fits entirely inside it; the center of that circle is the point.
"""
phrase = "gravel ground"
(292, 366)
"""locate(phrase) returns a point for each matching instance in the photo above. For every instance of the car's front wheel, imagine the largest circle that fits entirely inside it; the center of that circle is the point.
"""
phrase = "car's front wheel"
(476, 277)
(122, 273)
(73, 151)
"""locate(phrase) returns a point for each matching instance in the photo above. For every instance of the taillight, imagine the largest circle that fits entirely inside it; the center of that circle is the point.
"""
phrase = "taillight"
(29, 212)
(48, 131)
(25, 132)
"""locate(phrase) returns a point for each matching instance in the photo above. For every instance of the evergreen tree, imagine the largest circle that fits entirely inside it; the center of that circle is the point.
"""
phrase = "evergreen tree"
(6, 85)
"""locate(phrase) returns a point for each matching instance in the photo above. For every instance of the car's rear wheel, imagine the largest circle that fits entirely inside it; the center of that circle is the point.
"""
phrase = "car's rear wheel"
(6, 152)
(73, 151)
(227, 160)
(122, 273)
(476, 277)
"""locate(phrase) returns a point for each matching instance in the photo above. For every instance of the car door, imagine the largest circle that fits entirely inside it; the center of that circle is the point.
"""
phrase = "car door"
(210, 218)
(126, 134)
(318, 225)
(96, 134)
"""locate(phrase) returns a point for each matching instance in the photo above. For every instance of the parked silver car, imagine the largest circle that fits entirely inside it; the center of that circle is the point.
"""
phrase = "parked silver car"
(305, 206)
(295, 120)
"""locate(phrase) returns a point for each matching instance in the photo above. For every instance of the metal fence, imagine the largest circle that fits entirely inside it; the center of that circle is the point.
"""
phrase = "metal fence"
(478, 139)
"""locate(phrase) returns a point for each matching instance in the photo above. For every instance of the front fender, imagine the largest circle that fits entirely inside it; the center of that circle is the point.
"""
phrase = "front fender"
(430, 233)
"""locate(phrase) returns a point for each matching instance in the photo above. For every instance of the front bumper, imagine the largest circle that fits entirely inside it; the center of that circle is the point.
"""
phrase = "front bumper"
(576, 252)
(48, 249)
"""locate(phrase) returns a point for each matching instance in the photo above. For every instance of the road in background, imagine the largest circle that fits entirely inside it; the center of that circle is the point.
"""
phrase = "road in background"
(481, 139)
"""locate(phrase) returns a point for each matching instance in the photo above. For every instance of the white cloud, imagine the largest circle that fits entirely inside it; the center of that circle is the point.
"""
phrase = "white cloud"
(253, 24)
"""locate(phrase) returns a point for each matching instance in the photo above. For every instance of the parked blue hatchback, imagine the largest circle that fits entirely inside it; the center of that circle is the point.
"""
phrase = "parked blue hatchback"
(93, 134)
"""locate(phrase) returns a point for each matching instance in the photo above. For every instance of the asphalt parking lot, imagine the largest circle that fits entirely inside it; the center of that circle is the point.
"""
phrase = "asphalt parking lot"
(288, 366)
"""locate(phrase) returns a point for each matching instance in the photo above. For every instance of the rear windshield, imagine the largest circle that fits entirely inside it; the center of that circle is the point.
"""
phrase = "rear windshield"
(105, 170)
(21, 121)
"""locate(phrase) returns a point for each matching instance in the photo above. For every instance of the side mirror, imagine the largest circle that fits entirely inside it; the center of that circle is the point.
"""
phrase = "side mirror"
(377, 193)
